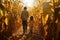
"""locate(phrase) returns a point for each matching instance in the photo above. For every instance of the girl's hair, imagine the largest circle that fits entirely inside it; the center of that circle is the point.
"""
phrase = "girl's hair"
(31, 17)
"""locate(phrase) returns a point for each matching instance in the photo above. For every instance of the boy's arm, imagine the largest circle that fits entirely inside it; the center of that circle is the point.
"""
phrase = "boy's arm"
(21, 15)
(27, 14)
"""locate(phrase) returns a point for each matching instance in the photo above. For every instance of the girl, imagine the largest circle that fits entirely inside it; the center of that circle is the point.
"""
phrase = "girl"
(31, 24)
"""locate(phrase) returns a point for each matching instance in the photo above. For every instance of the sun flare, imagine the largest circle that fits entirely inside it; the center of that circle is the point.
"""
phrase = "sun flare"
(29, 3)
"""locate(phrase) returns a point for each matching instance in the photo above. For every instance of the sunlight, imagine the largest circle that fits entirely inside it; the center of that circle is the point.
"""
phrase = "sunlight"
(28, 3)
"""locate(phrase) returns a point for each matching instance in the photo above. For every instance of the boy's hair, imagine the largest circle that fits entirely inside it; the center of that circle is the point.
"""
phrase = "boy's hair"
(25, 7)
(31, 18)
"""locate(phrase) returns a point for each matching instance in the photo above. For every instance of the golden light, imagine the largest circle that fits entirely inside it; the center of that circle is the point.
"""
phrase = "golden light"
(29, 3)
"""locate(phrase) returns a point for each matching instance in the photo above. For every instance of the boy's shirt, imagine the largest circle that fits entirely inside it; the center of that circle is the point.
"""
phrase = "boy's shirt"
(24, 15)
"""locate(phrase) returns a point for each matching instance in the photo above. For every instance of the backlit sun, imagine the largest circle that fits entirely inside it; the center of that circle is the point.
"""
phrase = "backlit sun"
(29, 3)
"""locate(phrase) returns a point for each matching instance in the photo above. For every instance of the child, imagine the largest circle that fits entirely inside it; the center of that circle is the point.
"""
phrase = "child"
(31, 24)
